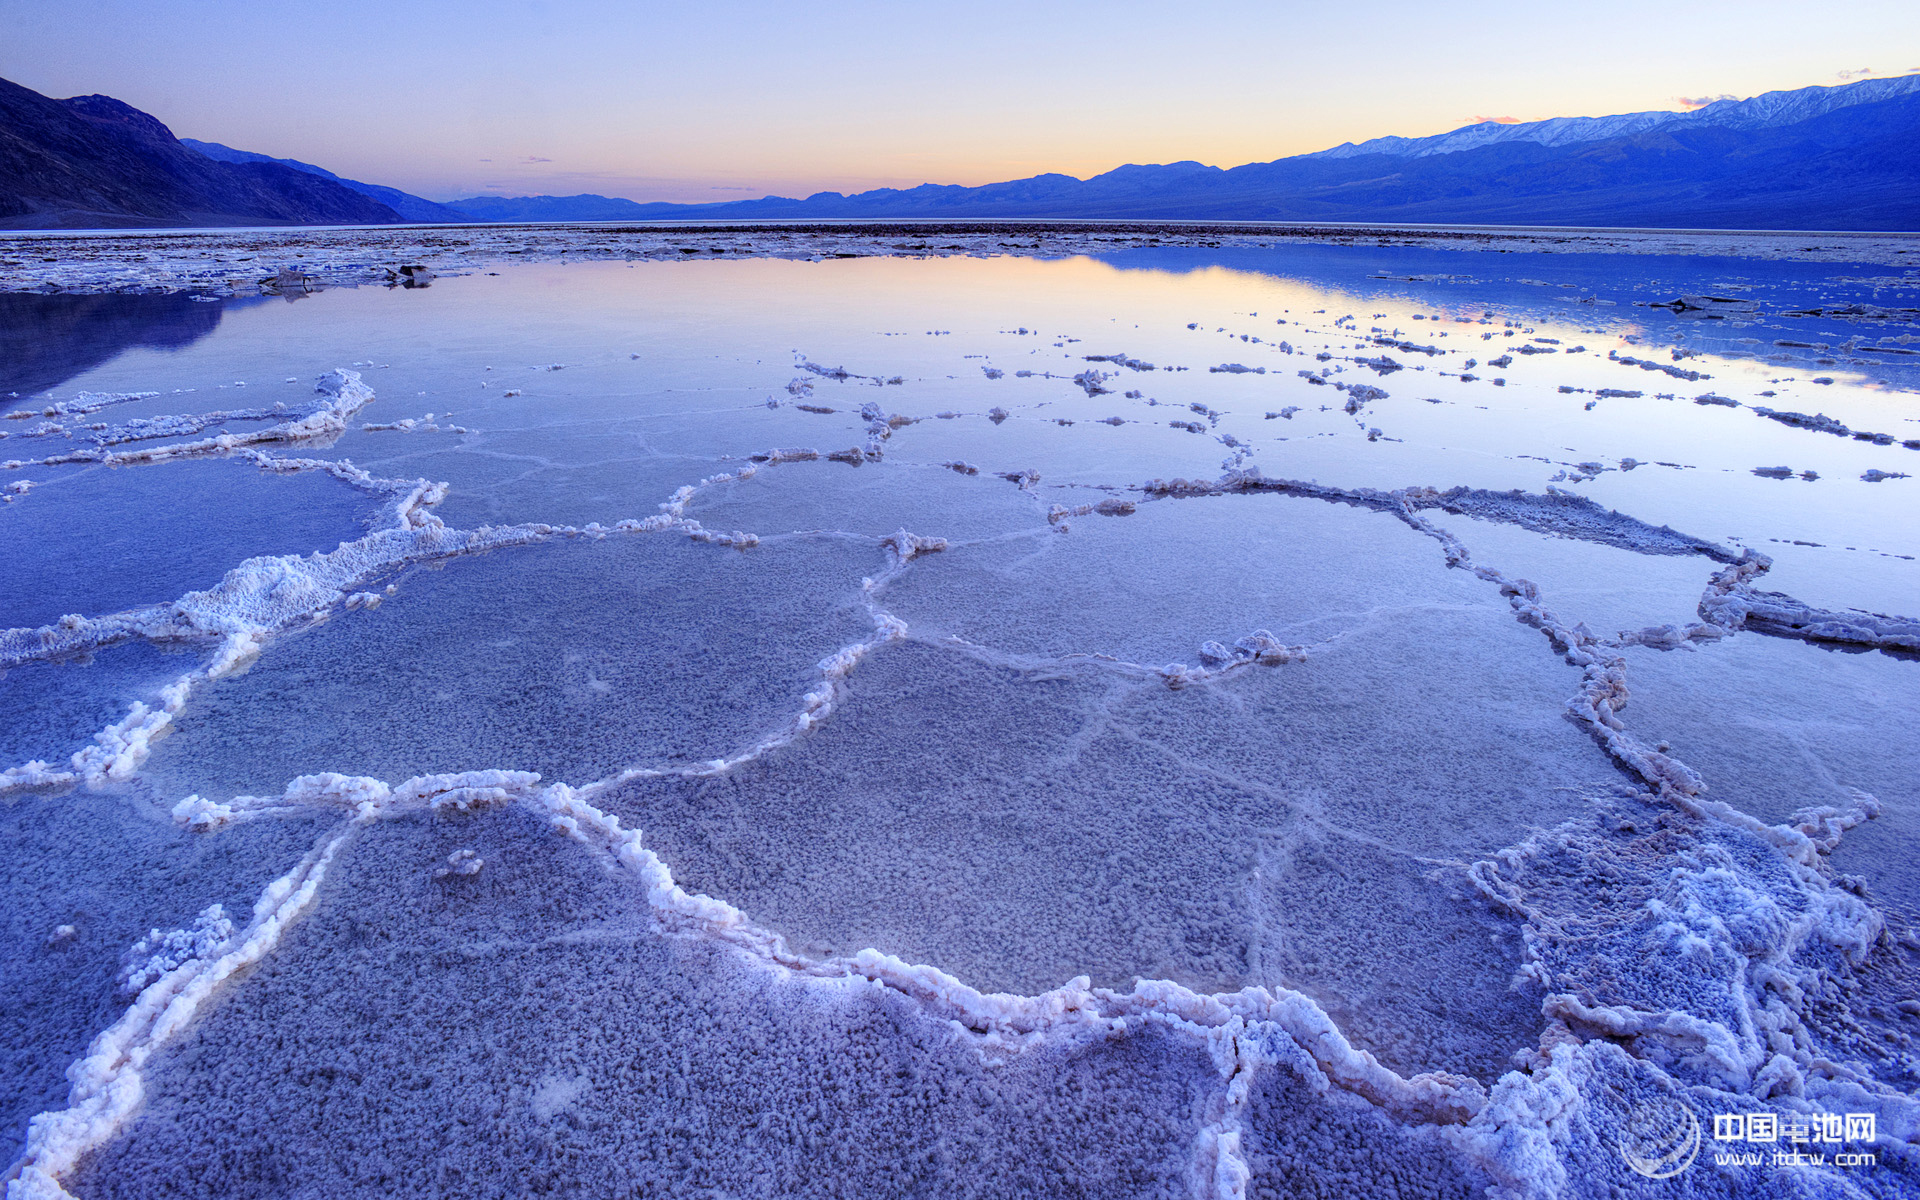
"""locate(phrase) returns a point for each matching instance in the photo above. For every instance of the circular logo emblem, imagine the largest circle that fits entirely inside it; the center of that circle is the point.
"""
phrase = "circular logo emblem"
(1660, 1138)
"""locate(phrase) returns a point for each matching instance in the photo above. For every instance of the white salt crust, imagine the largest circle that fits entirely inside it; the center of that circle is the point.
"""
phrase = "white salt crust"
(225, 263)
(1751, 1044)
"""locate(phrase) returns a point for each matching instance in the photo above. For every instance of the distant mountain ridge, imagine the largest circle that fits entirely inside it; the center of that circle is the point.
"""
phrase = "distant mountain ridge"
(1770, 110)
(585, 207)
(93, 161)
(1845, 157)
(410, 207)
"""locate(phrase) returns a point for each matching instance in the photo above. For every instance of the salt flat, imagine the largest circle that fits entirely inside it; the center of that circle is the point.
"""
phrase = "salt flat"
(1016, 710)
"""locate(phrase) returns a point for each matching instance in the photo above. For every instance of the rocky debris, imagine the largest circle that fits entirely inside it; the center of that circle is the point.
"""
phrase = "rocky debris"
(1819, 422)
(1382, 364)
(1092, 382)
(1408, 347)
(1703, 306)
(1644, 365)
(1119, 360)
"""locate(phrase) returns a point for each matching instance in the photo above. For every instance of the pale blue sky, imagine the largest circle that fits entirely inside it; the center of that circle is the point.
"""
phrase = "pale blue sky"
(739, 98)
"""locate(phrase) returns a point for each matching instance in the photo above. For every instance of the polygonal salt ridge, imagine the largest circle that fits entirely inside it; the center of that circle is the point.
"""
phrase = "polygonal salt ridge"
(367, 798)
(1259, 648)
(880, 427)
(795, 454)
(121, 747)
(158, 953)
(1093, 382)
(1111, 507)
(108, 1084)
(1737, 937)
(838, 373)
(1603, 693)
(1824, 824)
(1669, 637)
(1732, 603)
(1555, 512)
(1243, 1030)
(265, 595)
(673, 509)
(341, 394)
(371, 797)
(82, 404)
(255, 601)
(907, 546)
(118, 750)
(1011, 1022)
(418, 493)
(1564, 514)
(141, 429)
(34, 774)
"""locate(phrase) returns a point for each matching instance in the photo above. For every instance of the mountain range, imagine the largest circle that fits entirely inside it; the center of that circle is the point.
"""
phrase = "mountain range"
(409, 207)
(1845, 157)
(94, 162)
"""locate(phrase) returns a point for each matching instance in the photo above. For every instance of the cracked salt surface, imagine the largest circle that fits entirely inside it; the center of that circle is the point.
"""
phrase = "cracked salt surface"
(872, 500)
(695, 1070)
(667, 651)
(1002, 782)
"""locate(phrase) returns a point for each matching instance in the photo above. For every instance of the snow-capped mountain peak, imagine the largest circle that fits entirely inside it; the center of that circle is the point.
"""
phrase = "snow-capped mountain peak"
(1758, 112)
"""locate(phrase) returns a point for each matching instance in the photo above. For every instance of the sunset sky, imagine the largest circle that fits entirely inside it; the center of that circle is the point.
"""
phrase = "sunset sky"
(739, 98)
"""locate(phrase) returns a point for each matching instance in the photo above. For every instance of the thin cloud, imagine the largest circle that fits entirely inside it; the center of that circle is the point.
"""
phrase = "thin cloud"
(1692, 102)
(1863, 71)
(1496, 120)
(533, 159)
